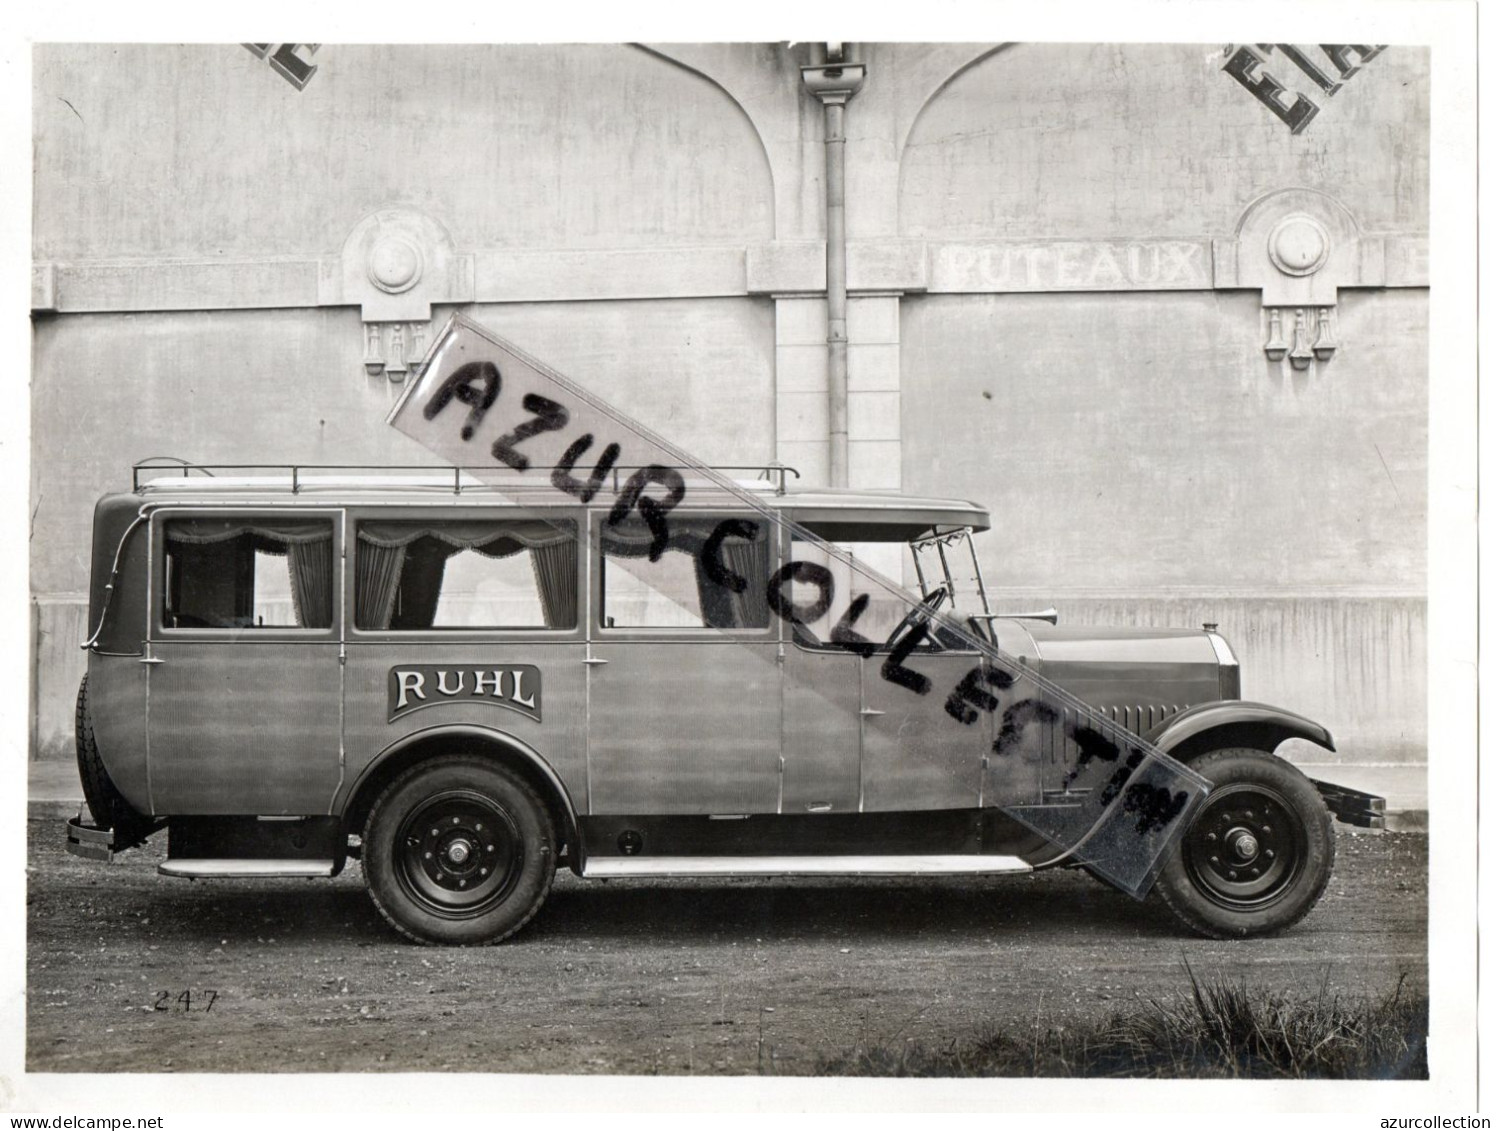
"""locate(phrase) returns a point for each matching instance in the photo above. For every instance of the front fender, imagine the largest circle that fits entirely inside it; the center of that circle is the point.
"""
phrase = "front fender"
(1233, 722)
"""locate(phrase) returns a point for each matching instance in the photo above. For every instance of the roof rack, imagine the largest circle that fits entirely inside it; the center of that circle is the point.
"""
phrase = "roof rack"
(297, 473)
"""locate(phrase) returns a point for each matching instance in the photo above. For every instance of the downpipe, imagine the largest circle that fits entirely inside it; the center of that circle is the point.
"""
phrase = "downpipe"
(833, 77)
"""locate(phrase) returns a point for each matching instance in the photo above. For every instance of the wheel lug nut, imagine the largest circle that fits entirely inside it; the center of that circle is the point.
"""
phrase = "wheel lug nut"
(1268, 855)
(1210, 837)
(1215, 859)
(1233, 873)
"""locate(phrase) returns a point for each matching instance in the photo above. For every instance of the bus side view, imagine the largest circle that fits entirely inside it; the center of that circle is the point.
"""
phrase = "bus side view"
(292, 667)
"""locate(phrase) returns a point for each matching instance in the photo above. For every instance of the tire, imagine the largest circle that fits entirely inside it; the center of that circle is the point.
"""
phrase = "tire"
(1259, 853)
(107, 806)
(458, 851)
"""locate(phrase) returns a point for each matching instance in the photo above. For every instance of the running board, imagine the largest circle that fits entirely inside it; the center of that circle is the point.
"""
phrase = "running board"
(597, 868)
(245, 869)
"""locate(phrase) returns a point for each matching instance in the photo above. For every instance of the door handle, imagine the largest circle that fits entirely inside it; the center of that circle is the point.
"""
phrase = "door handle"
(870, 711)
(596, 660)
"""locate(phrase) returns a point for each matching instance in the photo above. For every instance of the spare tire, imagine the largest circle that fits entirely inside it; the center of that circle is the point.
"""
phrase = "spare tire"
(107, 806)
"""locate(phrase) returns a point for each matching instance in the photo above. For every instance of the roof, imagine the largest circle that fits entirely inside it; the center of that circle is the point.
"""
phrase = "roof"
(839, 513)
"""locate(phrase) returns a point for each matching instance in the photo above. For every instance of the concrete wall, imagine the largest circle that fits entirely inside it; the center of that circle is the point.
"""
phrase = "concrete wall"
(1078, 140)
(1143, 442)
(1057, 304)
(513, 146)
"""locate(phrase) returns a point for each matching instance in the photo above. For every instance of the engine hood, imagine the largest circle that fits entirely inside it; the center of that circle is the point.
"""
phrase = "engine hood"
(1137, 676)
(1067, 644)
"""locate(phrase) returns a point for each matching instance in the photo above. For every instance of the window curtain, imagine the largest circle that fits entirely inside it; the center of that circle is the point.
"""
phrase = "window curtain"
(750, 560)
(377, 571)
(311, 565)
(271, 537)
(557, 568)
(399, 567)
(420, 583)
(307, 546)
(719, 607)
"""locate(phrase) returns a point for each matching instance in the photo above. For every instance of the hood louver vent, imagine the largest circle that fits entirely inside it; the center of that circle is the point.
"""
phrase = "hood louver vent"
(1139, 719)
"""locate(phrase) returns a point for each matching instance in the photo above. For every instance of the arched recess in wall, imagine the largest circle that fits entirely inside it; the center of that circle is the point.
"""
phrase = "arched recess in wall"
(761, 145)
(1091, 141)
(506, 145)
(935, 92)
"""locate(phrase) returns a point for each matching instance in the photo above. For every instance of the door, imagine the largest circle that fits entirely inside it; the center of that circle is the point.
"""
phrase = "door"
(244, 684)
(685, 695)
(914, 754)
(466, 620)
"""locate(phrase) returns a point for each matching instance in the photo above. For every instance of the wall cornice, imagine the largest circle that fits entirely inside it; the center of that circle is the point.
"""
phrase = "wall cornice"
(707, 271)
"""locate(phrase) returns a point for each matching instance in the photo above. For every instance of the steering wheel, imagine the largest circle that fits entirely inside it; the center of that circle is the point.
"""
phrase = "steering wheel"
(916, 615)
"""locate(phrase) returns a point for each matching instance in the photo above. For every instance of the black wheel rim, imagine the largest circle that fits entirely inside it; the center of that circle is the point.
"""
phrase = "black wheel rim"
(1247, 847)
(458, 854)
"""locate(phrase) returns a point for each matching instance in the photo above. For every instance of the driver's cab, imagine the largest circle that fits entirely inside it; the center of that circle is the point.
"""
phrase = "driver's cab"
(864, 654)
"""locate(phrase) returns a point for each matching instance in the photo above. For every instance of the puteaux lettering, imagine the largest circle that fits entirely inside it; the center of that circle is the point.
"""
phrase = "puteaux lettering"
(515, 687)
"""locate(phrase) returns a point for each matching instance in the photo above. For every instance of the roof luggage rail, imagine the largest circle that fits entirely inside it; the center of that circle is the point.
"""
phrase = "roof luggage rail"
(297, 473)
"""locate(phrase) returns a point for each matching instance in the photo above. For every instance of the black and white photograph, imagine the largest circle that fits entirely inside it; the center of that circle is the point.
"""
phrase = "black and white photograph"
(721, 570)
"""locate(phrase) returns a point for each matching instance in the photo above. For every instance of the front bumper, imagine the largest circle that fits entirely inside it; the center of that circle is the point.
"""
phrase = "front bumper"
(1352, 807)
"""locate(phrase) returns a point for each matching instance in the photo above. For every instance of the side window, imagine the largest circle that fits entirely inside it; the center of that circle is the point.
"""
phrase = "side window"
(678, 590)
(442, 574)
(884, 617)
(252, 572)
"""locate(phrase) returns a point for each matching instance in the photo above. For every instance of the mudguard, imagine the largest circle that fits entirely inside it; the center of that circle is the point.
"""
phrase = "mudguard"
(361, 792)
(1233, 722)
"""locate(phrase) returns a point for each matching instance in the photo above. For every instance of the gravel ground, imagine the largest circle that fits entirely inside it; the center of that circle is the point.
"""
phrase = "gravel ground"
(704, 977)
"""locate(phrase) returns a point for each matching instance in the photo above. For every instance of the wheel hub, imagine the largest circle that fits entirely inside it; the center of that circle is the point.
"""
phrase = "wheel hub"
(459, 853)
(1247, 846)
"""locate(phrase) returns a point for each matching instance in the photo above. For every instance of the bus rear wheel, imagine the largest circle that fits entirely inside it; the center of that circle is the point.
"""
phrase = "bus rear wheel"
(458, 851)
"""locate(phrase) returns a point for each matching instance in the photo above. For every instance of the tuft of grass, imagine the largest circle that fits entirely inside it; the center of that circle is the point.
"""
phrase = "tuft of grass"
(1215, 1028)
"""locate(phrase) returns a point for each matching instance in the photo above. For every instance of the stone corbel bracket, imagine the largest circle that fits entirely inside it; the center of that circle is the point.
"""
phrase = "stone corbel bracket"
(395, 265)
(1299, 247)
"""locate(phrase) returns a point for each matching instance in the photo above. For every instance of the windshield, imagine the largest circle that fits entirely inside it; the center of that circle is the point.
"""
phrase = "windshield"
(947, 561)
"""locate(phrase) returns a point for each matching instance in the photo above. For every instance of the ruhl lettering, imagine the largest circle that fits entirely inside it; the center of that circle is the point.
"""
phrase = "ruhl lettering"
(409, 681)
(412, 687)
